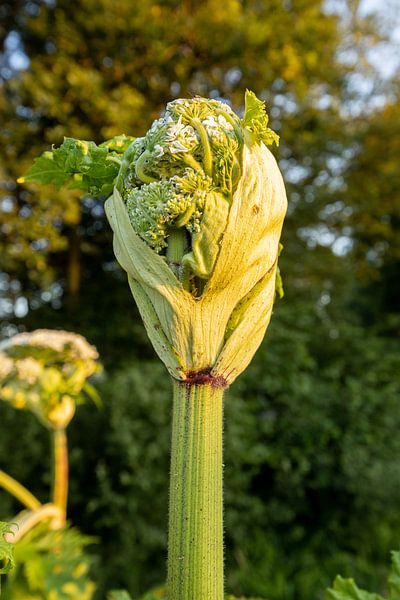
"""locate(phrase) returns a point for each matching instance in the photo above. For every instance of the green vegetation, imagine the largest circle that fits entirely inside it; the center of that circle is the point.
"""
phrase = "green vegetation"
(46, 373)
(51, 564)
(312, 475)
(346, 589)
(7, 560)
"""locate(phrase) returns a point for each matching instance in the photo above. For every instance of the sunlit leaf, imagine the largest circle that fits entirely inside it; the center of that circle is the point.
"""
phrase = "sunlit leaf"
(80, 164)
(7, 561)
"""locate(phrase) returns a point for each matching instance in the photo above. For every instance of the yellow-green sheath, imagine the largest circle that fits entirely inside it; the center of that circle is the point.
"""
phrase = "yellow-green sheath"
(60, 473)
(195, 548)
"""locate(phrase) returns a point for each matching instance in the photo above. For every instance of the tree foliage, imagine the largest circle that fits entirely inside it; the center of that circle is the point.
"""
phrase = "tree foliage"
(106, 69)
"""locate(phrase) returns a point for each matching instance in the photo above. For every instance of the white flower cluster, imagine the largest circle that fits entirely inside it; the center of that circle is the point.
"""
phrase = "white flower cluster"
(217, 126)
(44, 371)
(168, 135)
(57, 340)
(28, 369)
(179, 137)
(6, 366)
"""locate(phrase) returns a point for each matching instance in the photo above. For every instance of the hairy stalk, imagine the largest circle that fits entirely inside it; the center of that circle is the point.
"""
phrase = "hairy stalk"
(207, 154)
(60, 473)
(191, 162)
(19, 492)
(27, 520)
(140, 168)
(195, 548)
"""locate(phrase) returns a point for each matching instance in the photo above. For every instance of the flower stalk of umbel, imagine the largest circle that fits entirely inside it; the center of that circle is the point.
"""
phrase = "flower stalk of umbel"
(46, 372)
(197, 207)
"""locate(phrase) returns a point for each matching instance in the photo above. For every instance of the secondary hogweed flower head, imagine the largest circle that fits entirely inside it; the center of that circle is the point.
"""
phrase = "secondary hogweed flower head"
(46, 371)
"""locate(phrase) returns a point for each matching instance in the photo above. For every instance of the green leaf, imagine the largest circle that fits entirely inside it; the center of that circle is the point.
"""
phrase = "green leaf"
(346, 589)
(7, 561)
(80, 164)
(46, 170)
(54, 563)
(280, 292)
(93, 394)
(159, 593)
(118, 595)
(394, 577)
(255, 120)
(118, 144)
(242, 598)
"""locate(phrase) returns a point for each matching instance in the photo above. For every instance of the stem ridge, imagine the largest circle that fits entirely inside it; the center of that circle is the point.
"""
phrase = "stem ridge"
(195, 552)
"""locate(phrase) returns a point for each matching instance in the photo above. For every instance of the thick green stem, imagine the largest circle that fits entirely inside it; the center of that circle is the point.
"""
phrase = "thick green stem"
(176, 245)
(176, 249)
(60, 473)
(191, 162)
(195, 549)
(207, 154)
(17, 490)
(139, 168)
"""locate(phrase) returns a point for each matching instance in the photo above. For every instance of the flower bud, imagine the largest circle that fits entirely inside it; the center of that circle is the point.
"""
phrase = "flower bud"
(197, 214)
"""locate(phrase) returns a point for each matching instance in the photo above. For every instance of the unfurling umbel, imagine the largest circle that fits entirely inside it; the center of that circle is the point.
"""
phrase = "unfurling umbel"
(197, 206)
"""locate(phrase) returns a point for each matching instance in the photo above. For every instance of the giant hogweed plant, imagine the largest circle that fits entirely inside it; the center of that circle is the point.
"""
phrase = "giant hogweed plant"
(47, 372)
(196, 208)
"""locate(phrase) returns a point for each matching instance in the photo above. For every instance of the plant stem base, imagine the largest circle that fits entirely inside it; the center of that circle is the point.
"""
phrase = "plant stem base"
(195, 550)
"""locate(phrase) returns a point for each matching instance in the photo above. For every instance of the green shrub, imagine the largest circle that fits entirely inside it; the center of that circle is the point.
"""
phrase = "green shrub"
(312, 479)
(50, 565)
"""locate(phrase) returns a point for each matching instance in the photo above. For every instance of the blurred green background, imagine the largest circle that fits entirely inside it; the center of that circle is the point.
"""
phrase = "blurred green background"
(312, 451)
